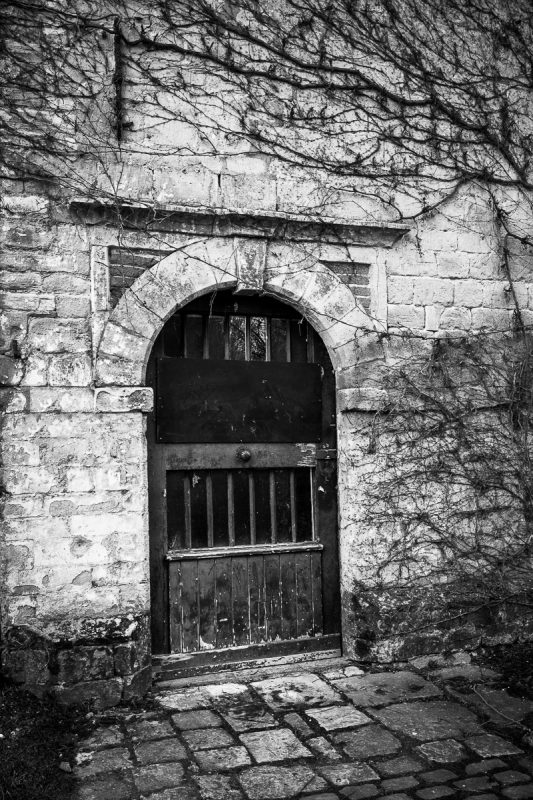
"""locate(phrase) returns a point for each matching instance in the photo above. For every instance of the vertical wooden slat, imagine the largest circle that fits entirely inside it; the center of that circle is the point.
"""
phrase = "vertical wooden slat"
(293, 506)
(219, 492)
(288, 341)
(206, 602)
(273, 527)
(316, 584)
(205, 337)
(189, 605)
(223, 603)
(187, 502)
(240, 601)
(176, 608)
(256, 589)
(310, 345)
(231, 511)
(247, 340)
(304, 595)
(209, 504)
(268, 335)
(263, 527)
(226, 337)
(272, 598)
(288, 596)
(251, 494)
(312, 491)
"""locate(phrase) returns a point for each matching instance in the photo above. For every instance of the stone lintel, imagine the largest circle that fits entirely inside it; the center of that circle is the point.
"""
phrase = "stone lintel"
(117, 399)
(234, 222)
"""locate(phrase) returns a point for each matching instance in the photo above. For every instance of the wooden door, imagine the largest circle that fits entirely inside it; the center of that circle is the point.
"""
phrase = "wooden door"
(242, 476)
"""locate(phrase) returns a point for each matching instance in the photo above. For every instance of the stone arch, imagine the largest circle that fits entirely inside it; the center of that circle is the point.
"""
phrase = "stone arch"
(216, 263)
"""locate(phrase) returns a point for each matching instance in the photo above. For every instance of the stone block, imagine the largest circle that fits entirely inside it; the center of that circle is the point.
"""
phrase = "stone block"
(472, 242)
(85, 664)
(404, 316)
(468, 293)
(455, 319)
(57, 336)
(67, 400)
(190, 187)
(243, 191)
(36, 369)
(11, 371)
(117, 399)
(491, 319)
(71, 307)
(428, 291)
(29, 301)
(400, 290)
(66, 284)
(97, 694)
(28, 667)
(69, 370)
(136, 685)
(454, 265)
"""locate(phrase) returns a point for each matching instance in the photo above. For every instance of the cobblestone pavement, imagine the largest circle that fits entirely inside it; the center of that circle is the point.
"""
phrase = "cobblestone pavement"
(327, 734)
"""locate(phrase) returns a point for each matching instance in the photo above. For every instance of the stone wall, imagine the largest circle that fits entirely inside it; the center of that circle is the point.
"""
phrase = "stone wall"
(74, 547)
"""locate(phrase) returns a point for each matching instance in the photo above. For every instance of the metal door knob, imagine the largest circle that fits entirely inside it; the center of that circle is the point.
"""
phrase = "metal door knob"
(243, 454)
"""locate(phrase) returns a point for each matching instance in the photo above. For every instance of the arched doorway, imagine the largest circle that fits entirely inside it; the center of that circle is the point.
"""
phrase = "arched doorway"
(242, 480)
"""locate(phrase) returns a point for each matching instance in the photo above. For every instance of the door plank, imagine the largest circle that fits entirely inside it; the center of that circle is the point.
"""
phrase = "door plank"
(304, 595)
(272, 599)
(206, 596)
(189, 606)
(316, 588)
(240, 601)
(223, 603)
(256, 598)
(288, 597)
(176, 608)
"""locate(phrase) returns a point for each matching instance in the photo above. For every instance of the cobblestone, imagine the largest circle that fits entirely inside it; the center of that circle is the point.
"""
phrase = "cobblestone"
(345, 774)
(399, 766)
(434, 792)
(438, 776)
(490, 745)
(269, 746)
(519, 792)
(161, 751)
(222, 760)
(360, 792)
(511, 776)
(393, 784)
(372, 740)
(261, 741)
(482, 767)
(443, 752)
(208, 738)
